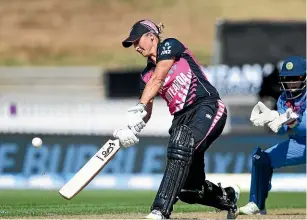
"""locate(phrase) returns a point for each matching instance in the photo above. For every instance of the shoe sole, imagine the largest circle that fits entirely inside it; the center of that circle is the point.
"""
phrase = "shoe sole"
(258, 213)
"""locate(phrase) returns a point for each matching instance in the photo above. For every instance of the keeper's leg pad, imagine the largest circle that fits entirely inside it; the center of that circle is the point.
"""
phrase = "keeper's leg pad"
(210, 195)
(179, 158)
(261, 177)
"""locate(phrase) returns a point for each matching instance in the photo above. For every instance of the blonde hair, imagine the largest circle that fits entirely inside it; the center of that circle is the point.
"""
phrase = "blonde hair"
(160, 27)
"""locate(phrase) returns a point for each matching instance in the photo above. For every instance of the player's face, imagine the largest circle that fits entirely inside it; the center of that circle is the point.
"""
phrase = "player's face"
(293, 83)
(144, 45)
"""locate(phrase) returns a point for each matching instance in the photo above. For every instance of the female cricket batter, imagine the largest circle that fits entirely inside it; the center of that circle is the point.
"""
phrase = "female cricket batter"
(199, 119)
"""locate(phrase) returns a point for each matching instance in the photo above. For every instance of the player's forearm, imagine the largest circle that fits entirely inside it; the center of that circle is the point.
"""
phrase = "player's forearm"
(149, 107)
(147, 117)
(151, 90)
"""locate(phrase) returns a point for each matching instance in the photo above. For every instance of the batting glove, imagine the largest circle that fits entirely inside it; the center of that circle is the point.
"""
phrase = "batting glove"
(126, 137)
(135, 118)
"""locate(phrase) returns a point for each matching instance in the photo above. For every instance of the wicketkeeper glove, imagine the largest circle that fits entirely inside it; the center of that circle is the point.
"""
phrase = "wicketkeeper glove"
(288, 118)
(261, 114)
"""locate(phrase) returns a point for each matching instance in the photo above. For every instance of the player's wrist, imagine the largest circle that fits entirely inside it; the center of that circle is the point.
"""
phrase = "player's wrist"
(143, 105)
(292, 123)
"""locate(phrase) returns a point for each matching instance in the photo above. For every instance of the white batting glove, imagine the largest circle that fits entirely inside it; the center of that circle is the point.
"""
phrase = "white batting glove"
(135, 118)
(289, 117)
(126, 137)
(261, 114)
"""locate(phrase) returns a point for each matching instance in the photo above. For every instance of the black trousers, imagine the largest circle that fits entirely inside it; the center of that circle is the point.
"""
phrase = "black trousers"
(207, 121)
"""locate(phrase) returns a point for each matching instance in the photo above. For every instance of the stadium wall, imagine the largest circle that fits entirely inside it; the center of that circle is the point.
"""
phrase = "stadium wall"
(138, 167)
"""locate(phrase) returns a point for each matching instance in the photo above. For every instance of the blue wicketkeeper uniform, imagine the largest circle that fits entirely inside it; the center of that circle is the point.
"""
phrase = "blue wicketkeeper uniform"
(292, 151)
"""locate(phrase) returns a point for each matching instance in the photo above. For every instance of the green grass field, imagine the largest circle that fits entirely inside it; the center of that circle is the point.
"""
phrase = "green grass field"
(121, 204)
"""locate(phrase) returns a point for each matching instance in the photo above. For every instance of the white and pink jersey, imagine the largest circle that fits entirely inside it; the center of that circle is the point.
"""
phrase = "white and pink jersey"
(185, 83)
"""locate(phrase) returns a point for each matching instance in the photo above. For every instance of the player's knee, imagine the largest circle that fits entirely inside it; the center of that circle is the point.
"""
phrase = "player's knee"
(181, 144)
(260, 157)
(276, 154)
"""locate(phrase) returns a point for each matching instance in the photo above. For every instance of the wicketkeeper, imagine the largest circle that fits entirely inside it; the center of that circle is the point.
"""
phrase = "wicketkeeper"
(199, 118)
(290, 118)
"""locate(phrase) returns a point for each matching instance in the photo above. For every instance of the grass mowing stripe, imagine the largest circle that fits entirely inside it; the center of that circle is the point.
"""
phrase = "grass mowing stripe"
(100, 202)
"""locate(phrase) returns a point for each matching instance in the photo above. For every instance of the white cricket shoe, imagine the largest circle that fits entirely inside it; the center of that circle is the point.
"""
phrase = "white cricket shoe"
(233, 214)
(251, 209)
(155, 215)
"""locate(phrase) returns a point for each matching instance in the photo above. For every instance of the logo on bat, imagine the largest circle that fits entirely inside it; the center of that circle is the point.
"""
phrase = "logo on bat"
(106, 152)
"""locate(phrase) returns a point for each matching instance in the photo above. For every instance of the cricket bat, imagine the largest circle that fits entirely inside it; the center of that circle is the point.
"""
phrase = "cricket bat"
(88, 172)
